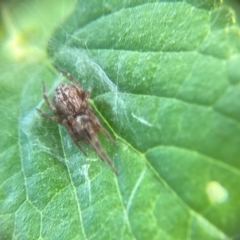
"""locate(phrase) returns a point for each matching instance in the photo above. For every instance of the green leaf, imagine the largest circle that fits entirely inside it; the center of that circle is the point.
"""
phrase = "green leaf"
(166, 85)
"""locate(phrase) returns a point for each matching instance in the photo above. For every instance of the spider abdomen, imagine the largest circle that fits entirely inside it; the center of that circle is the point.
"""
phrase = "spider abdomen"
(68, 100)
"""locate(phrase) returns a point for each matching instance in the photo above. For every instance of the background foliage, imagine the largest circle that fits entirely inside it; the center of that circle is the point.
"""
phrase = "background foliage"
(166, 85)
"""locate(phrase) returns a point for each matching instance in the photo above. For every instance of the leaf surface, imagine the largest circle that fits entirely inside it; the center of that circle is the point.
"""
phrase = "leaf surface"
(166, 85)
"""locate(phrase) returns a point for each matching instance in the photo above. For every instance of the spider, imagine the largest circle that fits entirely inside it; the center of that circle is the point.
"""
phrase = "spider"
(71, 109)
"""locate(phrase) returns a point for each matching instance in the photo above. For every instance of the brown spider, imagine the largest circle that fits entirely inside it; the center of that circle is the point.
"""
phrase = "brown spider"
(73, 112)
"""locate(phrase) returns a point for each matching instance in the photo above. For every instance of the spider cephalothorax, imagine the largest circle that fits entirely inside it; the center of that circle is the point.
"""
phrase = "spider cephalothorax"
(71, 110)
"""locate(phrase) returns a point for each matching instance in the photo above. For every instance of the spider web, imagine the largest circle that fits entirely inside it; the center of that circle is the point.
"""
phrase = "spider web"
(90, 73)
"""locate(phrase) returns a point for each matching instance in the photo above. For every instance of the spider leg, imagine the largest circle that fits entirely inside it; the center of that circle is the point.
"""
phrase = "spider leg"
(96, 146)
(80, 147)
(88, 93)
(99, 127)
(53, 109)
(71, 77)
(86, 132)
(105, 132)
(52, 118)
(72, 135)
